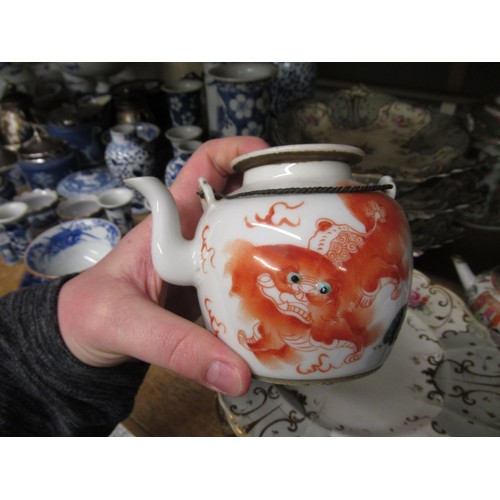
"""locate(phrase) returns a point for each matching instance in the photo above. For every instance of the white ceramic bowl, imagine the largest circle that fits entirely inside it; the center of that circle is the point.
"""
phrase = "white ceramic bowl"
(70, 247)
(81, 206)
(41, 203)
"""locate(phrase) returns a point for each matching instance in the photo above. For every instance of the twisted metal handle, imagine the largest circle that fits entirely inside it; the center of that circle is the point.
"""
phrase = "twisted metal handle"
(303, 190)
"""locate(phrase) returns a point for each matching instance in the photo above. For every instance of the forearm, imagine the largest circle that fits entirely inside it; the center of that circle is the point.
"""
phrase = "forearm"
(45, 390)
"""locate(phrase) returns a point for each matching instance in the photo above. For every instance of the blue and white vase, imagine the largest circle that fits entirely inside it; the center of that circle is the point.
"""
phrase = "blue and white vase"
(244, 98)
(184, 101)
(130, 153)
(175, 165)
(294, 82)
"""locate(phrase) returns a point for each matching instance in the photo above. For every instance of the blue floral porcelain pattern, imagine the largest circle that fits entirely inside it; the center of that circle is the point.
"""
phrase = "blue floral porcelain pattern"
(129, 155)
(174, 166)
(18, 234)
(243, 108)
(60, 238)
(293, 82)
(185, 108)
(48, 174)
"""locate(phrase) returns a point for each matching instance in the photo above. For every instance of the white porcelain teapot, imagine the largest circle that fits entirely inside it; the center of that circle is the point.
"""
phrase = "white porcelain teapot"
(302, 271)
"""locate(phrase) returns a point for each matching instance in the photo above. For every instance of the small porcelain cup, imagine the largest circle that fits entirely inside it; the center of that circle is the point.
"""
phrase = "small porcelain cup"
(82, 206)
(13, 218)
(183, 133)
(117, 204)
(42, 206)
(184, 101)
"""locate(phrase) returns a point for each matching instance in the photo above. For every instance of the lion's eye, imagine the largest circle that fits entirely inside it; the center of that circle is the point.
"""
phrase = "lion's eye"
(324, 288)
(293, 278)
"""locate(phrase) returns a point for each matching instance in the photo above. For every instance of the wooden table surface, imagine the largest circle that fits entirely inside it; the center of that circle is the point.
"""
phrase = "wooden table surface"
(168, 405)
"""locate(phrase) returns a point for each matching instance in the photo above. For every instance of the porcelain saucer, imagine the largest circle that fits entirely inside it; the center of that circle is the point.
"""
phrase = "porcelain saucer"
(88, 181)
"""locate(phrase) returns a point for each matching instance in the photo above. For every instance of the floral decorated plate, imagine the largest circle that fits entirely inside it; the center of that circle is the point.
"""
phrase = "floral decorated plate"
(88, 181)
(407, 141)
(441, 379)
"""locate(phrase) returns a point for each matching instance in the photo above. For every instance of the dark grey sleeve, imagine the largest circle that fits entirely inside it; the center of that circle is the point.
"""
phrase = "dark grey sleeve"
(44, 389)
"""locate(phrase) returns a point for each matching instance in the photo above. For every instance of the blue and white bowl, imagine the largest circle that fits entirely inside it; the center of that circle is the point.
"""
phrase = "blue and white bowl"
(70, 247)
(88, 181)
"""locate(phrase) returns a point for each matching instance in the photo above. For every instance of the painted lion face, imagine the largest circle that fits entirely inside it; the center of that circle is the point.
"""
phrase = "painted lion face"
(282, 280)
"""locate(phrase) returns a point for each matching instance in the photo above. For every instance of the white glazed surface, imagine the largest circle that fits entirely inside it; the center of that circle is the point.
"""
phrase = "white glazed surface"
(38, 199)
(13, 211)
(79, 207)
(115, 198)
(264, 237)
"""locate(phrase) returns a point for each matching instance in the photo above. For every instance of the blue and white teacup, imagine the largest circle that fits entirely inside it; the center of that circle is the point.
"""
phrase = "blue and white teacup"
(42, 206)
(183, 133)
(13, 218)
(244, 98)
(184, 101)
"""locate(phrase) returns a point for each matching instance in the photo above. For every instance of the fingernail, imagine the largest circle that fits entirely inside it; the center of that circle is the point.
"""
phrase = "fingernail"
(224, 378)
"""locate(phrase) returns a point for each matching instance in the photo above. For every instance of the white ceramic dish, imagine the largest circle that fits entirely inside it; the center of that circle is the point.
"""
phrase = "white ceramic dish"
(70, 247)
(88, 181)
(441, 379)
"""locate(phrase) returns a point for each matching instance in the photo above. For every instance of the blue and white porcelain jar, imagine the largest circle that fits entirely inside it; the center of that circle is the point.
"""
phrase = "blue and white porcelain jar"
(244, 98)
(79, 126)
(175, 165)
(130, 153)
(44, 161)
(184, 101)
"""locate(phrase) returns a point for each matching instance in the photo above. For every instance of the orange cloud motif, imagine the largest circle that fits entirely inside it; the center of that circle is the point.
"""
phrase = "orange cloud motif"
(278, 215)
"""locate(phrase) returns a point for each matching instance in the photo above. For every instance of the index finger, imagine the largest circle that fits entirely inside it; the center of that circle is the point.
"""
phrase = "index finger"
(212, 160)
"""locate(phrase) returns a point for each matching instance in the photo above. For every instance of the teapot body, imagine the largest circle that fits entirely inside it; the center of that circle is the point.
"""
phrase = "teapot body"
(303, 272)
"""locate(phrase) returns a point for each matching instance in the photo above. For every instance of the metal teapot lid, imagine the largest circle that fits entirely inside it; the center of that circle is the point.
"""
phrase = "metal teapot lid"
(41, 148)
(70, 115)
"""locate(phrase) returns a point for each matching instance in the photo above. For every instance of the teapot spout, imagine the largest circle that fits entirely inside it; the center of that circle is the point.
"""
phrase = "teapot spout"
(172, 254)
(465, 274)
